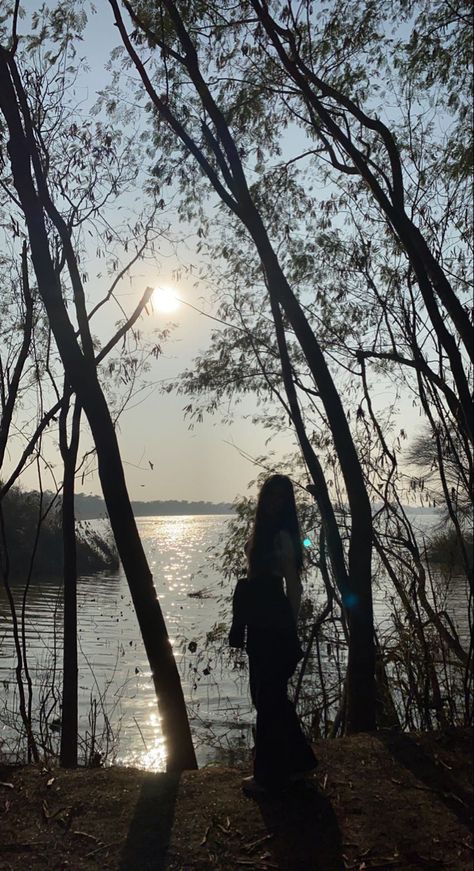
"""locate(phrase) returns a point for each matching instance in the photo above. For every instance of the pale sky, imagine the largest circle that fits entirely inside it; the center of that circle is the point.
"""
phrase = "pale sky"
(192, 465)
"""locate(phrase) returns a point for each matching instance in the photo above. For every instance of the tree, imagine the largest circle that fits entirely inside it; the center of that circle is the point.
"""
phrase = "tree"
(31, 183)
(219, 158)
(313, 69)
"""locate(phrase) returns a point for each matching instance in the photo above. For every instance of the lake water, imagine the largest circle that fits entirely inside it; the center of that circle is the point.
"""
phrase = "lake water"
(113, 670)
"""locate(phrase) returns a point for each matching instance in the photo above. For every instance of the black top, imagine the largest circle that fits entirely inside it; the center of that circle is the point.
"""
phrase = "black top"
(260, 603)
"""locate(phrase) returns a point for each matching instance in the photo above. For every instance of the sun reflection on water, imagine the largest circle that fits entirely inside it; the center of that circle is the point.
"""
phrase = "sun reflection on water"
(152, 754)
(154, 759)
(174, 529)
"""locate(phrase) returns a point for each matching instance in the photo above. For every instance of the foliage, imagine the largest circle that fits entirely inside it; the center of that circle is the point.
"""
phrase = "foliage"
(352, 276)
(440, 461)
(444, 549)
(26, 512)
(329, 128)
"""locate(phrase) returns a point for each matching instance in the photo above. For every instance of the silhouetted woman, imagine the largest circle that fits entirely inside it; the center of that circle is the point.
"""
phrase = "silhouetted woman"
(268, 616)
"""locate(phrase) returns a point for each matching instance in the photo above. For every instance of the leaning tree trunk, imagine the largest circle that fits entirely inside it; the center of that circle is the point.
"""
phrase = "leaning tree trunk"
(81, 373)
(355, 585)
(360, 682)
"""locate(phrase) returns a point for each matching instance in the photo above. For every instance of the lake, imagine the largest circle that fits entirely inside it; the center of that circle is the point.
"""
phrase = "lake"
(113, 670)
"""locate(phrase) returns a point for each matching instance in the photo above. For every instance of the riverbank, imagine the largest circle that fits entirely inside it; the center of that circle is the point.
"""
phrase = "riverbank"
(377, 801)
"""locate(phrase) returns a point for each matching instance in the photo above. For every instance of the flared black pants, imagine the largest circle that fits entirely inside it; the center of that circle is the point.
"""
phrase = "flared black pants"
(280, 746)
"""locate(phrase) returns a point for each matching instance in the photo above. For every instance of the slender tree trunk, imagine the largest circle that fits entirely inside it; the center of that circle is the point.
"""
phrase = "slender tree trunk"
(360, 686)
(8, 402)
(69, 717)
(321, 493)
(355, 586)
(81, 374)
(387, 714)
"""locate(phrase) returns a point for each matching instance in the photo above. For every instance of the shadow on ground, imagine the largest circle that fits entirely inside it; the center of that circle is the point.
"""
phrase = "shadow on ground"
(303, 829)
(425, 766)
(150, 828)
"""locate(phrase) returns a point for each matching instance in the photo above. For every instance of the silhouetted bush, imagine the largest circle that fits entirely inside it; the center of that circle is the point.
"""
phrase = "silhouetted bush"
(444, 549)
(21, 515)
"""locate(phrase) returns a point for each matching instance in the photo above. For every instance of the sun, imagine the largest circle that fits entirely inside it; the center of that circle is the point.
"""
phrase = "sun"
(164, 299)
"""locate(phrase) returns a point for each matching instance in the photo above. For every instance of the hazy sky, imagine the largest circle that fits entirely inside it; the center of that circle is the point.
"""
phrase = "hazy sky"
(199, 464)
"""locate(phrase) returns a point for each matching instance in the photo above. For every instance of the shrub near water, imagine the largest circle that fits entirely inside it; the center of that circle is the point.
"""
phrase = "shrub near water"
(444, 549)
(21, 515)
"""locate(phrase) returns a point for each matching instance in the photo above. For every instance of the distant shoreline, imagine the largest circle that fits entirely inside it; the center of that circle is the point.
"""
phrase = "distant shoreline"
(93, 508)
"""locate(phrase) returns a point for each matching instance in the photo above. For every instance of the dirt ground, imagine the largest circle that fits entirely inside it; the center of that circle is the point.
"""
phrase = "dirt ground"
(375, 802)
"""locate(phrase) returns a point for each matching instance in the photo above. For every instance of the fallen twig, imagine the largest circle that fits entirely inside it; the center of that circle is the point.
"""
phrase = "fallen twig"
(257, 843)
(85, 835)
(23, 847)
(206, 833)
(101, 847)
(381, 862)
(226, 828)
(51, 814)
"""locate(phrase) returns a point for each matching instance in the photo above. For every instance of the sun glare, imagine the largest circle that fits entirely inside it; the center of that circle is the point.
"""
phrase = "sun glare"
(164, 299)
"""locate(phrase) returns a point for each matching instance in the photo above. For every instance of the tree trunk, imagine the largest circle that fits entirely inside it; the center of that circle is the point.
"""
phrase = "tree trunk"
(81, 374)
(13, 380)
(69, 716)
(360, 698)
(321, 493)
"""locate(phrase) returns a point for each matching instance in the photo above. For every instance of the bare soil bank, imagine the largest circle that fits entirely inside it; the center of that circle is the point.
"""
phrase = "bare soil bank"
(384, 801)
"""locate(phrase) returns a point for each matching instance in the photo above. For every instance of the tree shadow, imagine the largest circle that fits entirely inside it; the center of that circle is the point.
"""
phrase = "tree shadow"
(149, 834)
(304, 829)
(423, 766)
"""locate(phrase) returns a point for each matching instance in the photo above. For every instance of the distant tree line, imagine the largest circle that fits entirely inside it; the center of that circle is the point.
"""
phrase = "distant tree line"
(90, 507)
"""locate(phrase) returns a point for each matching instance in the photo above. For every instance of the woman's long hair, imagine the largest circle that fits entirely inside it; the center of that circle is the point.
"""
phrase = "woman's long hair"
(261, 550)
